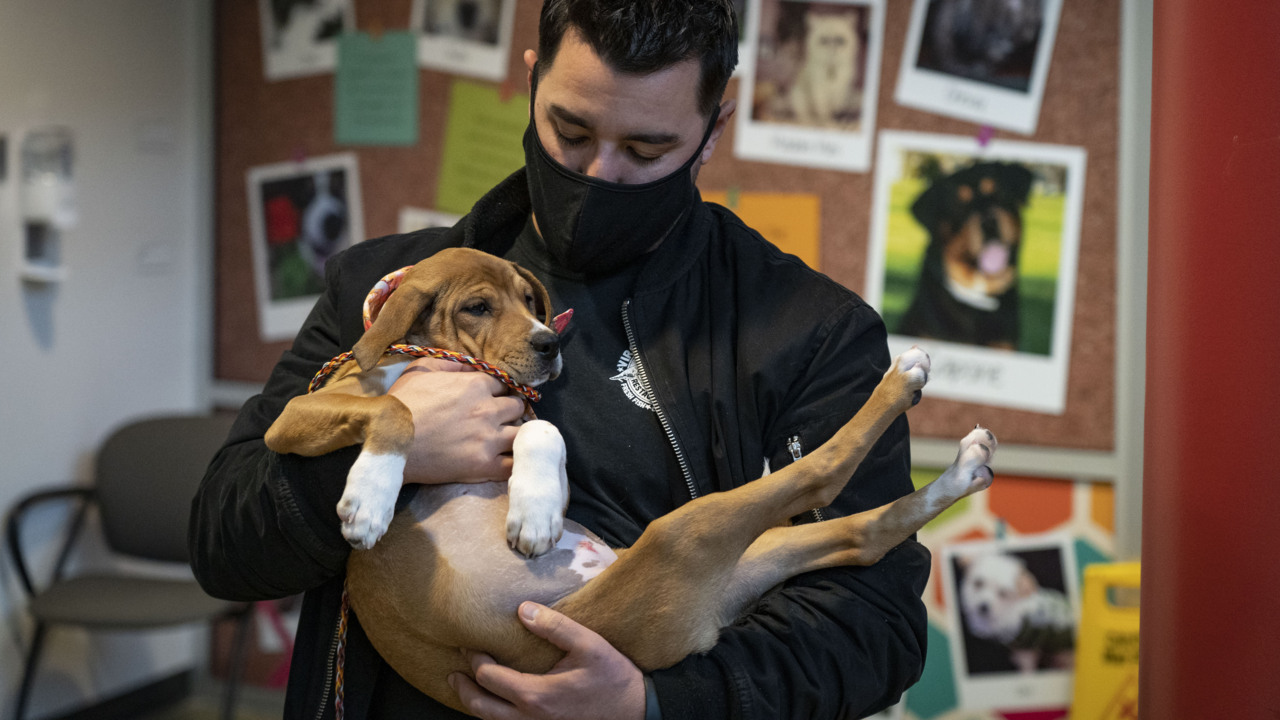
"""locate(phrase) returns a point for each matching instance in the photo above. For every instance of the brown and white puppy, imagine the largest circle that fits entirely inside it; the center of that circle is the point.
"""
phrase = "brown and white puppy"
(447, 576)
(458, 299)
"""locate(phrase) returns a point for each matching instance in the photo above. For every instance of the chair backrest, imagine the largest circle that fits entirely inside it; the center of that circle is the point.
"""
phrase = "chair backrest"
(147, 474)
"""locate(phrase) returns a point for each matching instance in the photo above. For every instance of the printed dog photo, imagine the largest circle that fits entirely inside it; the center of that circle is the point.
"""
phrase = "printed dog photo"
(1015, 611)
(301, 213)
(987, 41)
(811, 64)
(306, 223)
(973, 251)
(300, 37)
(472, 20)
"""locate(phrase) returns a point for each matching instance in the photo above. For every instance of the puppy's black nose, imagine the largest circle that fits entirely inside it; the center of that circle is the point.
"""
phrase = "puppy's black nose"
(545, 343)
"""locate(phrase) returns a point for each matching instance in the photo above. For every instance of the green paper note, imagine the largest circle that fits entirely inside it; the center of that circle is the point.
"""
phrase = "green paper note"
(376, 90)
(482, 143)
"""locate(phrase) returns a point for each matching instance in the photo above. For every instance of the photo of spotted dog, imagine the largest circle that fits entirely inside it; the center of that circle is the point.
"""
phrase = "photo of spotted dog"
(968, 285)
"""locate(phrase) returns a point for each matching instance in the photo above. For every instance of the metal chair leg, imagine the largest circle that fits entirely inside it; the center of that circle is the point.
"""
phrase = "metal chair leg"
(235, 669)
(29, 671)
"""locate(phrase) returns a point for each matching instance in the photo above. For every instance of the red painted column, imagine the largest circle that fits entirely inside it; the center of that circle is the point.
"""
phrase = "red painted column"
(1211, 489)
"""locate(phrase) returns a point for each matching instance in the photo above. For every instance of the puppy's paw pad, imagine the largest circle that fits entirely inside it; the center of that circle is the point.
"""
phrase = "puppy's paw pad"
(976, 451)
(911, 370)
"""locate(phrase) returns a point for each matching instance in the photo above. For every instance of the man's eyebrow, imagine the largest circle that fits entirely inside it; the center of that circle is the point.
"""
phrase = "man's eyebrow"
(644, 138)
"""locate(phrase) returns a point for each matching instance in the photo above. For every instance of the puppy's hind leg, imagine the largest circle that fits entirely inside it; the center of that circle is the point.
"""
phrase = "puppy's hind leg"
(862, 538)
(676, 575)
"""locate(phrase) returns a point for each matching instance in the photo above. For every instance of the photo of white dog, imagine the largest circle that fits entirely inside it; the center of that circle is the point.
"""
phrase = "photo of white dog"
(1002, 601)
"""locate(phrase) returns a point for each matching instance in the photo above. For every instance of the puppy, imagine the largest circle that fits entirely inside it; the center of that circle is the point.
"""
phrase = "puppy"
(1003, 602)
(463, 300)
(968, 286)
(444, 575)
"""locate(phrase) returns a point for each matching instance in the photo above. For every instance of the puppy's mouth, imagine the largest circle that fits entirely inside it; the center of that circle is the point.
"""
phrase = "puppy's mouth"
(534, 373)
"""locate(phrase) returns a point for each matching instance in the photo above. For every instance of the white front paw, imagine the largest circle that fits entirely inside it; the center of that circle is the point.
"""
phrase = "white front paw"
(538, 491)
(536, 516)
(369, 499)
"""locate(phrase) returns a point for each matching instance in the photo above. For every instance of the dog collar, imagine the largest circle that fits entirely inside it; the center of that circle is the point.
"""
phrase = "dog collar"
(525, 391)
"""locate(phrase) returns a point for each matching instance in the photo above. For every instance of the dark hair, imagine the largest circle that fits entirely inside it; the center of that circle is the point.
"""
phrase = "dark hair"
(644, 36)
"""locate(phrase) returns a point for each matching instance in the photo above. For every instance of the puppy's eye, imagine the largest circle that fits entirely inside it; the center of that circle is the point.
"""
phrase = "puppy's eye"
(528, 301)
(477, 308)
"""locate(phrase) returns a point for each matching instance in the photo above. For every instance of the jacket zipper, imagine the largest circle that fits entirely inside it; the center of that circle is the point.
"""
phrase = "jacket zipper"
(643, 376)
(328, 673)
(797, 451)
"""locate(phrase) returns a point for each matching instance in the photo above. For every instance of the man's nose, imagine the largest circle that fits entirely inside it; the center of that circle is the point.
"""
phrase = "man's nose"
(604, 165)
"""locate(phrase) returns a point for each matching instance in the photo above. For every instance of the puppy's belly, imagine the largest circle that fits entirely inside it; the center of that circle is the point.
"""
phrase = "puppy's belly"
(466, 523)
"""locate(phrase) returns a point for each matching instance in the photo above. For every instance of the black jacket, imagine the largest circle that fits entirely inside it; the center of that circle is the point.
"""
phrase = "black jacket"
(749, 352)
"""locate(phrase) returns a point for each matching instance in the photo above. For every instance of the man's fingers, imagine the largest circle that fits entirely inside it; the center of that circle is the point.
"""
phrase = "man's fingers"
(556, 628)
(478, 701)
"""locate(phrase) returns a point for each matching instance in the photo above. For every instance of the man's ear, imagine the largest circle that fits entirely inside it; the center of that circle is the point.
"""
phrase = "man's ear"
(727, 108)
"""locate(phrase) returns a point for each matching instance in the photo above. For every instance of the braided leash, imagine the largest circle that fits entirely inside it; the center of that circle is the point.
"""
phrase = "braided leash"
(420, 351)
(338, 710)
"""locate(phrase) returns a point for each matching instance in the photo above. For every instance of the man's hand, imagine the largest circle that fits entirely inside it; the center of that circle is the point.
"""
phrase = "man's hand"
(462, 422)
(593, 680)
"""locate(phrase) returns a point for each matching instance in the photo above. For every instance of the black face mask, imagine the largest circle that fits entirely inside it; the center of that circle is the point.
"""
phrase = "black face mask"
(591, 226)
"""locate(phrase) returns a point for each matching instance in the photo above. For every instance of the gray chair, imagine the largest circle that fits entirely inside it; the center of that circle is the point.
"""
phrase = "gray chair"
(146, 474)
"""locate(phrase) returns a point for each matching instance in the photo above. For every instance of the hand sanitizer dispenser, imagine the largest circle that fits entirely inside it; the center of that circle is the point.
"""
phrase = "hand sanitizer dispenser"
(48, 200)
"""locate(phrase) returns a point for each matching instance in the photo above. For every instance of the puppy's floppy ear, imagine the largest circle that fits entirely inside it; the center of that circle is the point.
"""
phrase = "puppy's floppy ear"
(542, 300)
(414, 296)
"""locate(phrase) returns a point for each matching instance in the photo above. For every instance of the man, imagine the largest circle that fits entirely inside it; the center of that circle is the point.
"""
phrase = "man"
(697, 353)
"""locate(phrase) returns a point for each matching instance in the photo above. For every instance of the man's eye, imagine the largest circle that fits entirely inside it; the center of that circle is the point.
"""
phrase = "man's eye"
(571, 141)
(477, 308)
(641, 158)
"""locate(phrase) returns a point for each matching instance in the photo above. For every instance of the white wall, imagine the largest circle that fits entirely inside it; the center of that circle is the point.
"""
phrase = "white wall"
(127, 332)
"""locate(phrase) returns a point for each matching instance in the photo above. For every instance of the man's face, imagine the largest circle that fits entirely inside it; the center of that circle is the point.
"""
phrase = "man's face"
(619, 127)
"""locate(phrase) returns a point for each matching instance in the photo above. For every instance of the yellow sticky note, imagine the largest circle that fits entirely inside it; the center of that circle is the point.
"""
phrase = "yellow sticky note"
(482, 143)
(792, 221)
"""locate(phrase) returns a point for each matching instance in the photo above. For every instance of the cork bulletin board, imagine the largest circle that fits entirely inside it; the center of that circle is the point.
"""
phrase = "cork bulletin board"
(261, 122)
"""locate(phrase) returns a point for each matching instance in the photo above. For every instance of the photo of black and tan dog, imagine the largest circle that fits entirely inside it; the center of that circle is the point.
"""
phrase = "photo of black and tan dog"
(968, 284)
(450, 568)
